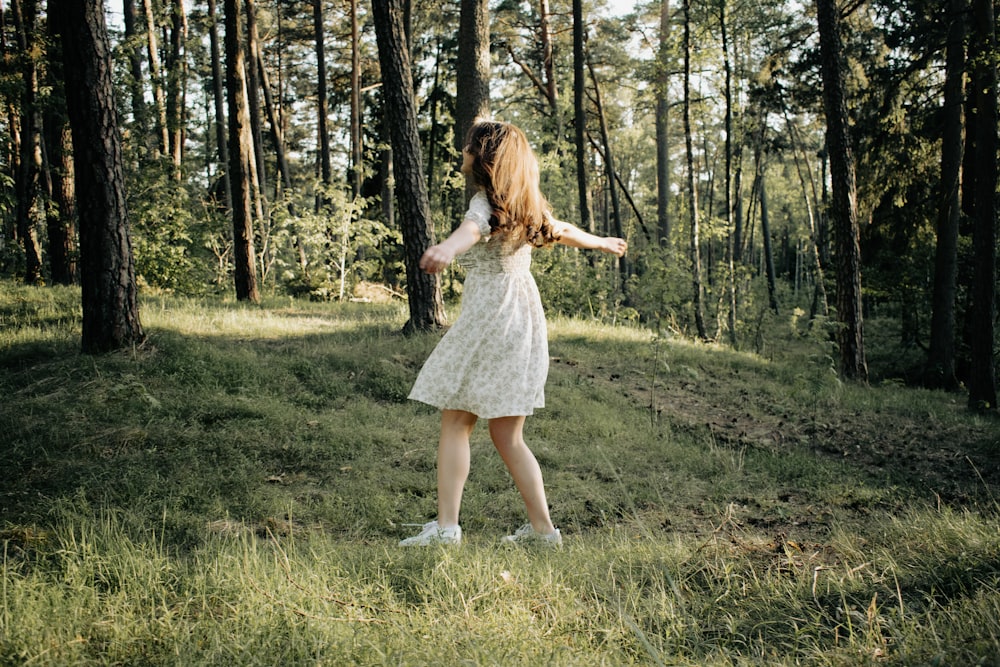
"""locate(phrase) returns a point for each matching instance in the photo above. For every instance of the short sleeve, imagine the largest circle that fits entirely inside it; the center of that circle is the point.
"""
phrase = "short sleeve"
(480, 212)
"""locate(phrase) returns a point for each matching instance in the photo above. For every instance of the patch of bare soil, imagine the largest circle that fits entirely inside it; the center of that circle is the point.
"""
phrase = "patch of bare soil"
(958, 462)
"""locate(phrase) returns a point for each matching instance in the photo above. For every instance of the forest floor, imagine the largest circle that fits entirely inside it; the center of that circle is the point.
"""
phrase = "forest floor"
(233, 491)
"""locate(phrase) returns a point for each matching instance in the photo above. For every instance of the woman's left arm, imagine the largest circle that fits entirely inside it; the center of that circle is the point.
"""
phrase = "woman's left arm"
(571, 235)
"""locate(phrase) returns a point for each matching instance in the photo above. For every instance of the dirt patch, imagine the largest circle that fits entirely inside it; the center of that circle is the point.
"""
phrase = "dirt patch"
(958, 462)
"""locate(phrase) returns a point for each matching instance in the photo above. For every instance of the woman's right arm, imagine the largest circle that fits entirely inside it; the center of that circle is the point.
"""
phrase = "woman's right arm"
(437, 257)
(573, 236)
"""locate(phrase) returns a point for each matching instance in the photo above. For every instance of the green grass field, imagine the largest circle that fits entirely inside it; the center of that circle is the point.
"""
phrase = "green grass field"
(232, 492)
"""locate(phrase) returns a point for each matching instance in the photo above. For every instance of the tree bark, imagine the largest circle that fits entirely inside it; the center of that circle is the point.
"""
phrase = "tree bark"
(156, 79)
(357, 168)
(609, 171)
(258, 173)
(728, 176)
(940, 370)
(983, 45)
(844, 207)
(176, 82)
(219, 99)
(140, 112)
(548, 65)
(30, 207)
(811, 199)
(765, 232)
(423, 289)
(240, 158)
(472, 76)
(662, 127)
(109, 294)
(692, 190)
(580, 115)
(322, 110)
(61, 218)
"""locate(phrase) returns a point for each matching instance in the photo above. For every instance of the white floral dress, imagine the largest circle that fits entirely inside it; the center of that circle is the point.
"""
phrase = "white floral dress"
(494, 360)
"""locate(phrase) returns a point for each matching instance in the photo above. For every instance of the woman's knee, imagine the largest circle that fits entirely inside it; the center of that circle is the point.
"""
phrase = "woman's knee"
(457, 421)
(506, 432)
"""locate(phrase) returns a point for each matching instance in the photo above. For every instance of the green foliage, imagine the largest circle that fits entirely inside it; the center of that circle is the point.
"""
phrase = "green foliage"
(578, 283)
(350, 247)
(170, 233)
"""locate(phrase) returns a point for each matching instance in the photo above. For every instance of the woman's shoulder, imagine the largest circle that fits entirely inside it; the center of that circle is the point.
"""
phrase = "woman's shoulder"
(480, 202)
(480, 211)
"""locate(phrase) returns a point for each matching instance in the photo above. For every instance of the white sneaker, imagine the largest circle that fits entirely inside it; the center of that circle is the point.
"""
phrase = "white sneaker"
(526, 535)
(433, 534)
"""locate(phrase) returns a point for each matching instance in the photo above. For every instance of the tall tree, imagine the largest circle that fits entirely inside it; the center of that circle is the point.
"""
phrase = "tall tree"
(609, 168)
(30, 207)
(692, 190)
(61, 218)
(580, 114)
(241, 158)
(941, 352)
(109, 294)
(662, 126)
(844, 207)
(323, 104)
(983, 53)
(423, 289)
(140, 113)
(219, 102)
(156, 78)
(727, 178)
(357, 168)
(176, 84)
(472, 76)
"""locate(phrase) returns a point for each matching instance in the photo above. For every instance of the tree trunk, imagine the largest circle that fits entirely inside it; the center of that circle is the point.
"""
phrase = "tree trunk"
(727, 176)
(30, 207)
(609, 170)
(140, 112)
(322, 111)
(240, 158)
(254, 106)
(218, 94)
(109, 294)
(423, 289)
(357, 168)
(811, 199)
(662, 127)
(156, 79)
(692, 190)
(61, 218)
(844, 208)
(12, 148)
(940, 370)
(983, 44)
(472, 76)
(176, 81)
(580, 115)
(273, 111)
(258, 173)
(548, 63)
(765, 232)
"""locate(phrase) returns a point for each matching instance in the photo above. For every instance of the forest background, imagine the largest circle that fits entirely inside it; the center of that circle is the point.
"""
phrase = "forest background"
(701, 133)
(809, 193)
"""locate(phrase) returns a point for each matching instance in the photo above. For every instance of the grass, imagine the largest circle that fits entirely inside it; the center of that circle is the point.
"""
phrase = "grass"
(232, 492)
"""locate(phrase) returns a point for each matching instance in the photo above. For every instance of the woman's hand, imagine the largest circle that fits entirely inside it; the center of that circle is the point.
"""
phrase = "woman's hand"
(435, 259)
(614, 246)
(439, 256)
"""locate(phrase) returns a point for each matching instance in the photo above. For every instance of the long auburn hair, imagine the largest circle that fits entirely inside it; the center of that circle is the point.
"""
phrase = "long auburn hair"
(506, 168)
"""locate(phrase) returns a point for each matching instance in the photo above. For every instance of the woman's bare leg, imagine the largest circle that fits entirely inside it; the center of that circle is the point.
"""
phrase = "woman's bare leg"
(508, 438)
(453, 463)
